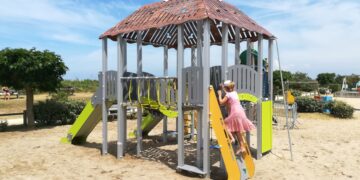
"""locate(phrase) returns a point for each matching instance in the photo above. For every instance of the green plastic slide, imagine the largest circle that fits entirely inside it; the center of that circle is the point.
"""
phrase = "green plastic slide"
(149, 122)
(84, 124)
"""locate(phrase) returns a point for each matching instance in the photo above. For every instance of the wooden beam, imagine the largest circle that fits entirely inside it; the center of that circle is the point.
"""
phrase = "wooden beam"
(205, 111)
(199, 42)
(224, 52)
(248, 52)
(180, 122)
(139, 109)
(193, 56)
(270, 70)
(166, 67)
(104, 90)
(259, 95)
(237, 46)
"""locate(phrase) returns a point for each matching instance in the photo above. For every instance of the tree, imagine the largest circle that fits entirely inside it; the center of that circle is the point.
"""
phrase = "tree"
(302, 82)
(352, 80)
(339, 79)
(31, 70)
(325, 79)
(277, 80)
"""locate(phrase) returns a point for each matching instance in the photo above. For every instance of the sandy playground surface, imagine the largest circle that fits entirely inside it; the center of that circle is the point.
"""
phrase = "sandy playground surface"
(323, 148)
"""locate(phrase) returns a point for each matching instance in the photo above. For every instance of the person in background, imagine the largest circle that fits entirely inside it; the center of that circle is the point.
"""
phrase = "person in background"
(6, 91)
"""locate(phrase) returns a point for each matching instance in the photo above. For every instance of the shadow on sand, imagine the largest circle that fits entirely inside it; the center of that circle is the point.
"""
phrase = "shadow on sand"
(166, 153)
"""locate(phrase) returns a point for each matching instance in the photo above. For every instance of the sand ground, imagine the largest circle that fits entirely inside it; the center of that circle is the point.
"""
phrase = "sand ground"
(323, 148)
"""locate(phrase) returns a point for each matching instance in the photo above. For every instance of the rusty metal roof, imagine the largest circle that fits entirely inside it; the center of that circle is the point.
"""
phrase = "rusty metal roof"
(158, 21)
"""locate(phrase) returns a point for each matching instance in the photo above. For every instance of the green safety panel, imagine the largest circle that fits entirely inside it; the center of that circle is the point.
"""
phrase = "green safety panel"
(148, 123)
(248, 97)
(266, 135)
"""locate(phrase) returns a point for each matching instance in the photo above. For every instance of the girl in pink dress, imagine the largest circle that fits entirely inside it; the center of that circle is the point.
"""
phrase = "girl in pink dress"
(236, 122)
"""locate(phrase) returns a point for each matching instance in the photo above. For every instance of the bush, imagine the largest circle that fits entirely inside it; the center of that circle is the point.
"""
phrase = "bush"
(3, 125)
(61, 96)
(340, 109)
(306, 104)
(322, 90)
(335, 88)
(52, 112)
(296, 93)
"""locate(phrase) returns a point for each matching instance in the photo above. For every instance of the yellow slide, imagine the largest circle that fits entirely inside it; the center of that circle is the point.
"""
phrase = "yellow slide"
(235, 166)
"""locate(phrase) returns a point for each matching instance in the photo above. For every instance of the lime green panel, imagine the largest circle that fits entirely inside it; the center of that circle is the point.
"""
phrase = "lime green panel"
(89, 108)
(266, 135)
(147, 121)
(248, 97)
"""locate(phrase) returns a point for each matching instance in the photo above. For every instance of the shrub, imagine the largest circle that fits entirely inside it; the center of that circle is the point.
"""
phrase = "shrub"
(322, 90)
(3, 125)
(335, 87)
(306, 104)
(296, 93)
(61, 96)
(52, 112)
(340, 109)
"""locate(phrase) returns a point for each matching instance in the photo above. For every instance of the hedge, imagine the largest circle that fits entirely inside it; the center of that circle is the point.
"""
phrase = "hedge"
(52, 112)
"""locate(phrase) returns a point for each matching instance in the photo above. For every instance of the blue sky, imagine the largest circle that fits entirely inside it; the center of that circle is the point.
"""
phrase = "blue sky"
(314, 36)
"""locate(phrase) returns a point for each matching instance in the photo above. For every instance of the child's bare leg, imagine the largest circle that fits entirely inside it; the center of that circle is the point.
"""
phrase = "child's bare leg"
(241, 143)
(232, 139)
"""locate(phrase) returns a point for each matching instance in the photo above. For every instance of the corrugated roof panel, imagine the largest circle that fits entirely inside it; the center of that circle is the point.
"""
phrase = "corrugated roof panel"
(158, 20)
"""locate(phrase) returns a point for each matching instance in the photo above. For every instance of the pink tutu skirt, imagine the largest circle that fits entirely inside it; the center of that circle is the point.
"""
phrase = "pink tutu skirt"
(238, 122)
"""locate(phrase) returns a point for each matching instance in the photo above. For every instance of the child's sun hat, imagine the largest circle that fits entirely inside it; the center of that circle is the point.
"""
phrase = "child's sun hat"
(227, 83)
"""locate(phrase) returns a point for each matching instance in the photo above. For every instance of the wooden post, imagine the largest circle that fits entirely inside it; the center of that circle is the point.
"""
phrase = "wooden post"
(165, 121)
(260, 95)
(139, 109)
(199, 42)
(270, 71)
(104, 90)
(199, 57)
(237, 46)
(124, 50)
(193, 57)
(180, 122)
(224, 54)
(25, 122)
(205, 111)
(121, 113)
(248, 53)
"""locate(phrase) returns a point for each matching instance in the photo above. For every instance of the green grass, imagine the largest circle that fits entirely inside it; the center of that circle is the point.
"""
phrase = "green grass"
(86, 85)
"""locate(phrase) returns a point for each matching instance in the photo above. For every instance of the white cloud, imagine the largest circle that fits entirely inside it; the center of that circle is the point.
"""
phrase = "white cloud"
(53, 12)
(321, 34)
(65, 21)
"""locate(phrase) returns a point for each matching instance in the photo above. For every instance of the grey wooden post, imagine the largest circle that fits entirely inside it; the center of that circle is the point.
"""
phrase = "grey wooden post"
(237, 46)
(199, 42)
(270, 71)
(248, 53)
(139, 109)
(180, 122)
(193, 56)
(193, 64)
(120, 110)
(260, 96)
(104, 108)
(199, 56)
(205, 110)
(165, 121)
(224, 53)
(124, 50)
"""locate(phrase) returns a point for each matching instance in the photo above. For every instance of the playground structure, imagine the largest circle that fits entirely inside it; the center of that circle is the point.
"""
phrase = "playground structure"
(347, 92)
(177, 24)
